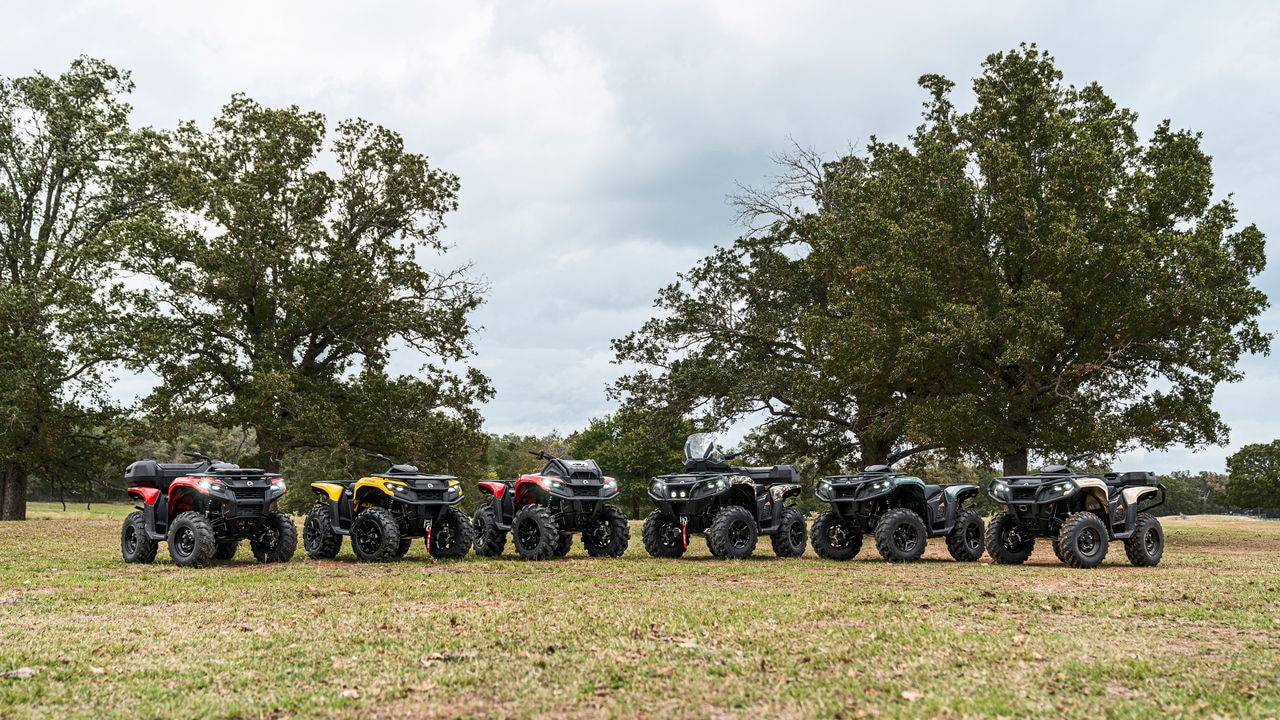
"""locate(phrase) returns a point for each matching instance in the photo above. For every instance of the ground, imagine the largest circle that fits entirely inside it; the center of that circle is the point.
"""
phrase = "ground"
(82, 634)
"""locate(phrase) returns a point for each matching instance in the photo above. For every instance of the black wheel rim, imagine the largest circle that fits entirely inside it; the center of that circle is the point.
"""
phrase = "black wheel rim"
(739, 534)
(529, 533)
(1151, 541)
(795, 535)
(1013, 540)
(130, 539)
(477, 527)
(185, 541)
(268, 539)
(446, 537)
(669, 535)
(905, 538)
(311, 533)
(599, 535)
(1089, 542)
(973, 536)
(838, 537)
(369, 537)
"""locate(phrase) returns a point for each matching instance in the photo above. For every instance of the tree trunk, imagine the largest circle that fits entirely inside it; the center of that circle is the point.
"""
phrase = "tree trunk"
(875, 451)
(13, 494)
(1015, 463)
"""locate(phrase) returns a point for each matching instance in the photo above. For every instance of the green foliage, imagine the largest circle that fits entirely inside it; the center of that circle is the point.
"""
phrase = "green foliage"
(71, 170)
(1254, 472)
(282, 289)
(1022, 277)
(633, 449)
(1187, 494)
(508, 455)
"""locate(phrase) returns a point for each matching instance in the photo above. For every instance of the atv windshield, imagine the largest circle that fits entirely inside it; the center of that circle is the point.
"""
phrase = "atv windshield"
(699, 446)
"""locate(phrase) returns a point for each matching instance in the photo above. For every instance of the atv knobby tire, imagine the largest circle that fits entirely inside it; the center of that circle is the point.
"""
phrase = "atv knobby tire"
(191, 540)
(564, 544)
(318, 537)
(964, 542)
(662, 536)
(733, 534)
(791, 538)
(226, 549)
(487, 539)
(1008, 544)
(1057, 550)
(276, 541)
(901, 536)
(833, 538)
(402, 549)
(608, 535)
(375, 537)
(534, 532)
(450, 535)
(1083, 540)
(1146, 546)
(135, 545)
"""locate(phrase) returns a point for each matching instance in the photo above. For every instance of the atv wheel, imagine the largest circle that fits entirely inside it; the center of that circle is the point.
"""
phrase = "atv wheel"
(834, 539)
(964, 542)
(662, 536)
(791, 537)
(733, 534)
(226, 550)
(374, 535)
(135, 546)
(534, 532)
(901, 536)
(191, 540)
(1008, 544)
(487, 539)
(608, 535)
(1083, 540)
(318, 537)
(277, 540)
(1146, 546)
(450, 535)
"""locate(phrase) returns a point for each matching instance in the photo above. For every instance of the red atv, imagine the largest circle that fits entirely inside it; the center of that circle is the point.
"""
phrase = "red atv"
(543, 511)
(203, 510)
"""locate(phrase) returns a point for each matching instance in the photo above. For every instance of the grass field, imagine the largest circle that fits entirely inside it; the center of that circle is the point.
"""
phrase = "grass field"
(84, 635)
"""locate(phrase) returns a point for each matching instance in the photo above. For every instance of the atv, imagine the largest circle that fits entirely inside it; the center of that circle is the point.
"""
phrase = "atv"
(1080, 512)
(383, 514)
(731, 506)
(203, 510)
(900, 510)
(543, 510)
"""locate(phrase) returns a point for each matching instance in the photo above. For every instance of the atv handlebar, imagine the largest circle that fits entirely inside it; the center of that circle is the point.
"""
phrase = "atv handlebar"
(198, 456)
(541, 455)
(380, 456)
(1076, 458)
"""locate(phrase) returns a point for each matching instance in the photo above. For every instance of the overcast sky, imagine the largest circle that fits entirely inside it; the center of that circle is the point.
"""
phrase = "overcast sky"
(597, 142)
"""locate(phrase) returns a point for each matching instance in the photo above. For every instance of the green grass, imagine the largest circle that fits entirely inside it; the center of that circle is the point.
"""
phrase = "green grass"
(1197, 636)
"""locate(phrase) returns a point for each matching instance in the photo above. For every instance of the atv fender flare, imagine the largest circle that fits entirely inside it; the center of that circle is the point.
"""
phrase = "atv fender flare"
(493, 488)
(186, 487)
(1095, 496)
(331, 491)
(147, 495)
(957, 494)
(912, 493)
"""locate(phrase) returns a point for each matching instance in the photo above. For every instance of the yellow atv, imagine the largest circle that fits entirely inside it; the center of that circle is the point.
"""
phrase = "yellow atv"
(384, 513)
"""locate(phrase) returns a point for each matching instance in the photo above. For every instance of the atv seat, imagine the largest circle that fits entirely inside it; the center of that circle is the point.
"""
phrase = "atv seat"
(1118, 480)
(932, 491)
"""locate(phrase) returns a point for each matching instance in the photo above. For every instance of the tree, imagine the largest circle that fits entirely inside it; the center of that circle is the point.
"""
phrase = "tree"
(71, 170)
(1024, 277)
(1254, 476)
(508, 455)
(282, 290)
(633, 449)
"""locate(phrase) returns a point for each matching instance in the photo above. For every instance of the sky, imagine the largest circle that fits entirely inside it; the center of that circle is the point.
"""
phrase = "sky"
(598, 142)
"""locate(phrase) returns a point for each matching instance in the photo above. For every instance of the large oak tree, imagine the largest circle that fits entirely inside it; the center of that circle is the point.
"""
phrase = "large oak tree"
(1026, 276)
(287, 286)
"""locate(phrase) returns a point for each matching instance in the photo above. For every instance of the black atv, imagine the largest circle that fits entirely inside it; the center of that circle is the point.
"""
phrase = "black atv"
(902, 512)
(203, 510)
(383, 514)
(1080, 512)
(543, 510)
(730, 505)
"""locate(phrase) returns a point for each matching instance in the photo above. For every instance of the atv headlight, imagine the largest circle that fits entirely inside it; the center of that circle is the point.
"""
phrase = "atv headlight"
(453, 491)
(1062, 489)
(209, 485)
(610, 485)
(551, 483)
(1000, 490)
